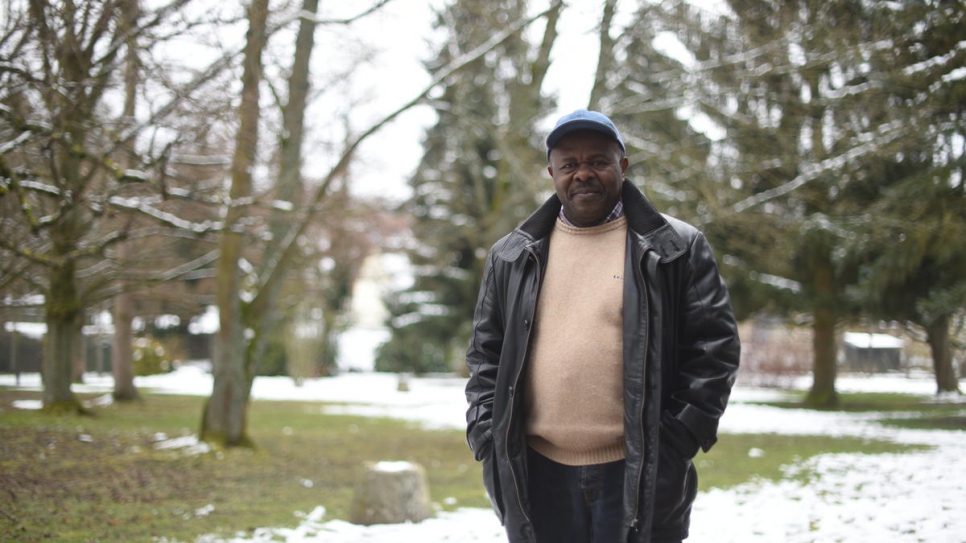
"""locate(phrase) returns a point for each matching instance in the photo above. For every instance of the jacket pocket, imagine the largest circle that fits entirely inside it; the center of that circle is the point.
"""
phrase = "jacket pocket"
(491, 481)
(677, 482)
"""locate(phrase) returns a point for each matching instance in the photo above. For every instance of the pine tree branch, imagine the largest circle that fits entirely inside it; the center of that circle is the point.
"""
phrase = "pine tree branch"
(871, 144)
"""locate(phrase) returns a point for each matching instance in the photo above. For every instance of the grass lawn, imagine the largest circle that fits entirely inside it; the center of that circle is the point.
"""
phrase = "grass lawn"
(100, 478)
(907, 410)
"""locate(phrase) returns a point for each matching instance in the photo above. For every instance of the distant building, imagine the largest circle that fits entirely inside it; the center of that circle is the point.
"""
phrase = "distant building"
(872, 353)
(20, 346)
(381, 274)
(21, 343)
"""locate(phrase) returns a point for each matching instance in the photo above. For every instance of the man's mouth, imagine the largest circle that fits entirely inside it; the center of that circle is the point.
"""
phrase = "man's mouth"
(583, 193)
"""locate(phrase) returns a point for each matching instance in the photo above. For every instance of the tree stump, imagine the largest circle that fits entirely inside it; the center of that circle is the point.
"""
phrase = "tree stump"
(391, 493)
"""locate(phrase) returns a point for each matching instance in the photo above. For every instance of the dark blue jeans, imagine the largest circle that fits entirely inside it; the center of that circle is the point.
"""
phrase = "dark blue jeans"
(575, 504)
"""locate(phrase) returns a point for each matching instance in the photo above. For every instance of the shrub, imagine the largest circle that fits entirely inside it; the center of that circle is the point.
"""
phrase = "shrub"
(151, 357)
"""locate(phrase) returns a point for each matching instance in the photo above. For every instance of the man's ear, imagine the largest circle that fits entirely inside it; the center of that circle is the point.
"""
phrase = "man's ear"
(624, 163)
(550, 170)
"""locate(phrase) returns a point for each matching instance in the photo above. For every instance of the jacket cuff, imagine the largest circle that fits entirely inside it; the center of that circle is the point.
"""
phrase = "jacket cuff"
(703, 428)
(480, 443)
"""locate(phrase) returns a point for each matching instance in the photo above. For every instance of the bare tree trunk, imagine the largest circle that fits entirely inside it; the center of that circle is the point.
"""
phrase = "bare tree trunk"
(122, 363)
(78, 356)
(823, 392)
(224, 420)
(264, 312)
(63, 305)
(541, 64)
(942, 355)
(63, 317)
(605, 57)
(64, 309)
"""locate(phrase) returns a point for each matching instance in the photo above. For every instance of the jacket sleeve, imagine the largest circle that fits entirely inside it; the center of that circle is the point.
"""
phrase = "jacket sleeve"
(708, 347)
(482, 360)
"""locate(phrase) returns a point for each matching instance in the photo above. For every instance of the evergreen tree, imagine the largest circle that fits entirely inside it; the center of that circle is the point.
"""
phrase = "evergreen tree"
(816, 133)
(648, 102)
(676, 152)
(914, 263)
(482, 166)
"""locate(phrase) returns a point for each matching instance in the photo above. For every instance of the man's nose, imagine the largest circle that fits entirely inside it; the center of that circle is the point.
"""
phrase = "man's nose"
(584, 170)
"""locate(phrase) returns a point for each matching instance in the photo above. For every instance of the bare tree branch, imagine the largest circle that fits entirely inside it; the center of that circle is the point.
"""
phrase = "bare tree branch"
(301, 221)
(349, 20)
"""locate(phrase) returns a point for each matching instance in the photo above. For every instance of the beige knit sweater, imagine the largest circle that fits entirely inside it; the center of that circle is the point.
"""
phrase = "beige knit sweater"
(574, 400)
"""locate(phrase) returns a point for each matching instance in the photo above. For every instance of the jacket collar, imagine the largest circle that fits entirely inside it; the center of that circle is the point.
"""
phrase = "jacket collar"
(650, 226)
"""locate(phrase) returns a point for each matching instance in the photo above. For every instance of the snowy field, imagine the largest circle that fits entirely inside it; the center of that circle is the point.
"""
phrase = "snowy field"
(918, 497)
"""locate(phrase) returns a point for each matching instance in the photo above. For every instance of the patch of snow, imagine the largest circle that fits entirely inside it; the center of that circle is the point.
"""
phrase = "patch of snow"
(393, 466)
(849, 497)
(31, 405)
(204, 511)
(33, 330)
(461, 526)
(188, 445)
(100, 401)
(955, 75)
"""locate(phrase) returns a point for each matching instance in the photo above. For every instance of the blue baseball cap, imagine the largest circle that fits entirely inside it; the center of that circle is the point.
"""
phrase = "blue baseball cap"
(583, 119)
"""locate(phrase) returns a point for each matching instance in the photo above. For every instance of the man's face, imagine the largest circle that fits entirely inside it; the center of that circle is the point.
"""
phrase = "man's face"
(587, 170)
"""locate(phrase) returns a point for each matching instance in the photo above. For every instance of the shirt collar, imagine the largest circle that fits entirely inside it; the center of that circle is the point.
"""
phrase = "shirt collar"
(615, 214)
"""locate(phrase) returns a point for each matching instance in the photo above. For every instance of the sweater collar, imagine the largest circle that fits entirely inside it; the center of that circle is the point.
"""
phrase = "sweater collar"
(615, 214)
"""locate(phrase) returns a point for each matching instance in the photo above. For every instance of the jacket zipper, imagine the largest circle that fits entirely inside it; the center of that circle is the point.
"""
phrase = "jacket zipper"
(635, 524)
(516, 387)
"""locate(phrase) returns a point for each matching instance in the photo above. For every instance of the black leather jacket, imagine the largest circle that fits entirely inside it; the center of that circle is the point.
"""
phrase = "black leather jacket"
(680, 360)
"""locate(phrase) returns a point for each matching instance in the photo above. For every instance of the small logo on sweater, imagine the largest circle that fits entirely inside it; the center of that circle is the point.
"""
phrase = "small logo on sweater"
(619, 277)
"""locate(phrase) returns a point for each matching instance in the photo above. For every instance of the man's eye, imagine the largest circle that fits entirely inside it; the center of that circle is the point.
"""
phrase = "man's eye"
(568, 166)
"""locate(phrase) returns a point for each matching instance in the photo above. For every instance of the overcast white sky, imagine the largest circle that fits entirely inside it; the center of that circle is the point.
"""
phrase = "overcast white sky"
(392, 155)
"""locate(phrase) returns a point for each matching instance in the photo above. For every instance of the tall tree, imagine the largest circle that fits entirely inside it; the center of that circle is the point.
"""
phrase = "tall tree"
(289, 186)
(60, 180)
(913, 267)
(605, 55)
(122, 359)
(478, 178)
(225, 413)
(863, 138)
(808, 132)
(246, 300)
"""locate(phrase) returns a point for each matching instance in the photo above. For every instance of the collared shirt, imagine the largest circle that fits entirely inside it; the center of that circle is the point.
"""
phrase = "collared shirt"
(615, 214)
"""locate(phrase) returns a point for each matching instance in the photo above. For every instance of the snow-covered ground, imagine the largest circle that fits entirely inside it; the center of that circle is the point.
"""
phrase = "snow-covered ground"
(854, 498)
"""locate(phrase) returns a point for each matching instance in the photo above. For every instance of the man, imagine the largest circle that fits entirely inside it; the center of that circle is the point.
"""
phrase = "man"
(603, 352)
